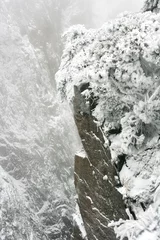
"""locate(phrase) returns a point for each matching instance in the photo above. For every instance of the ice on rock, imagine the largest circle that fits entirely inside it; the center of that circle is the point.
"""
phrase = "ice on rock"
(105, 178)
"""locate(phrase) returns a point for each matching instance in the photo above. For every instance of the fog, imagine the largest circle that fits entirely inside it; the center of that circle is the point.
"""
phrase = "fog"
(105, 10)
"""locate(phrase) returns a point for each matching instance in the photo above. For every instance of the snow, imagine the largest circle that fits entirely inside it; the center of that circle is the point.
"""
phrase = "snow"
(90, 199)
(78, 219)
(97, 210)
(81, 153)
(148, 236)
(44, 207)
(105, 178)
(8, 184)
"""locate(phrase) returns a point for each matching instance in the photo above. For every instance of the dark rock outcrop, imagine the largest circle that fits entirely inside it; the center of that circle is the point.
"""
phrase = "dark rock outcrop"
(98, 199)
(152, 5)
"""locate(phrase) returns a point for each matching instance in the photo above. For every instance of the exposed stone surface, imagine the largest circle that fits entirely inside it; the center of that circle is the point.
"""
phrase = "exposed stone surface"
(152, 5)
(98, 199)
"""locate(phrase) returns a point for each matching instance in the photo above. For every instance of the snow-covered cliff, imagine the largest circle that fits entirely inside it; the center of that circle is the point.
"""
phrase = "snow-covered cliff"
(116, 70)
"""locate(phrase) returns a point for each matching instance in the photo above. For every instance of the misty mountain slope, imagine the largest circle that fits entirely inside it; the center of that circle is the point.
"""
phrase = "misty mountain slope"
(116, 71)
(38, 138)
(17, 221)
(44, 22)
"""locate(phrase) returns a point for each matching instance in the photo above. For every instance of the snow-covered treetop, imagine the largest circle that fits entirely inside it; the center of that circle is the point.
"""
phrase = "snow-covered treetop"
(120, 61)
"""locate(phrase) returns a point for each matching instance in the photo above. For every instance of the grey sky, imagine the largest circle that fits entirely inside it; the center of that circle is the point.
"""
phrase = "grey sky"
(109, 9)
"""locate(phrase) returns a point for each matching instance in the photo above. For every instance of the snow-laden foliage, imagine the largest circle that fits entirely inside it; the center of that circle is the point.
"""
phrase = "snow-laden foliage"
(120, 63)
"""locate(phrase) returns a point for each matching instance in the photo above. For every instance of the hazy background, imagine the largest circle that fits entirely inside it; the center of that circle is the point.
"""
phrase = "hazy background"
(109, 9)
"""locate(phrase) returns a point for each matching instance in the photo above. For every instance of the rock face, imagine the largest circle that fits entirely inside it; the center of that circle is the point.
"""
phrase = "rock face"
(98, 199)
(152, 5)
